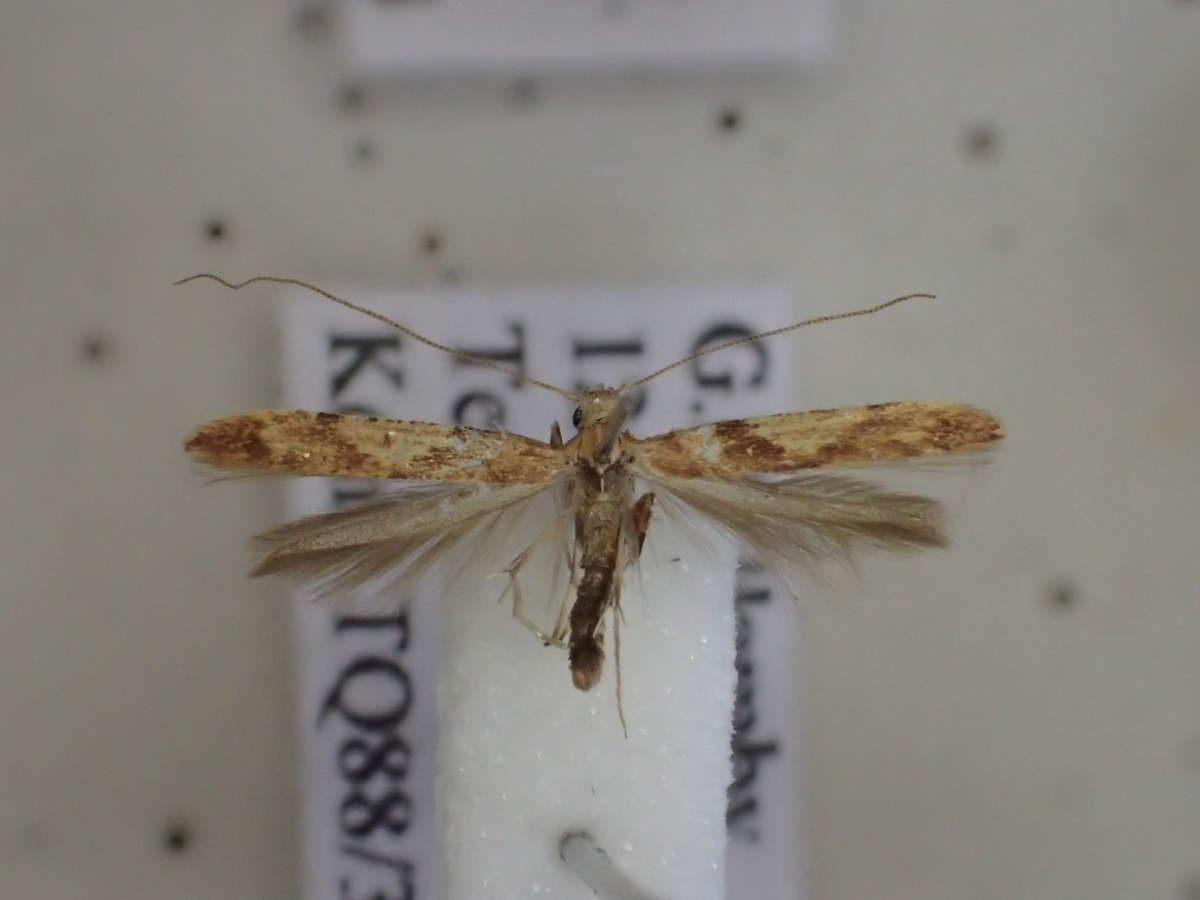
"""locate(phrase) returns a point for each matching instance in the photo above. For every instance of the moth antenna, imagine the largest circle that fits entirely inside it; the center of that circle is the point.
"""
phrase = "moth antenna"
(774, 331)
(380, 317)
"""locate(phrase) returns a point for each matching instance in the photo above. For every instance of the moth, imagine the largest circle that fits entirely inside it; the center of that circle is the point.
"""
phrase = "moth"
(776, 482)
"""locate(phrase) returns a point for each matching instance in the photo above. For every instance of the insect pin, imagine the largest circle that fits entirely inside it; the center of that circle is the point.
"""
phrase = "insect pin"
(773, 481)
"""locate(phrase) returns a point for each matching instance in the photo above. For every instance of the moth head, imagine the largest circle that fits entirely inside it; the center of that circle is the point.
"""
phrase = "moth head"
(600, 417)
(599, 407)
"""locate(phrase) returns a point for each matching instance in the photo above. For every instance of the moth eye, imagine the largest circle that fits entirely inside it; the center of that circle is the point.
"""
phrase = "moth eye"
(577, 417)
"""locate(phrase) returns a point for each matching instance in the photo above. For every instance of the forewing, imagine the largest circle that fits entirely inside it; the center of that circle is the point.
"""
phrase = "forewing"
(296, 442)
(786, 443)
(407, 533)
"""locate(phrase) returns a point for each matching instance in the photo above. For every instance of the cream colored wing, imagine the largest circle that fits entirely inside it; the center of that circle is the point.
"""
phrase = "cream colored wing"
(755, 479)
(808, 440)
(306, 443)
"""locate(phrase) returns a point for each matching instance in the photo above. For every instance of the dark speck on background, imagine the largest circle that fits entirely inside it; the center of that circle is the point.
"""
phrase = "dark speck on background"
(363, 151)
(729, 119)
(1061, 596)
(432, 242)
(525, 92)
(216, 230)
(981, 141)
(352, 97)
(176, 837)
(95, 348)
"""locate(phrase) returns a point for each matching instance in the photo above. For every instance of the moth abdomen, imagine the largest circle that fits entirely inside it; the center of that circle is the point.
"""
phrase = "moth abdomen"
(586, 655)
(586, 644)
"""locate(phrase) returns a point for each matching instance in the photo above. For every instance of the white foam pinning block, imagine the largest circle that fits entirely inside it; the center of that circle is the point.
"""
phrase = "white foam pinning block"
(518, 754)
(525, 758)
(464, 36)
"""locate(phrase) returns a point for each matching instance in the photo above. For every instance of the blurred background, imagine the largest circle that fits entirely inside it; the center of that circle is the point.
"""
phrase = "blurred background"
(1031, 728)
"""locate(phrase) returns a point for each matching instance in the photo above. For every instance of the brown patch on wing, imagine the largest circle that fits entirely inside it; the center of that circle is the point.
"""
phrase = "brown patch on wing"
(739, 438)
(305, 443)
(236, 438)
(670, 453)
(864, 434)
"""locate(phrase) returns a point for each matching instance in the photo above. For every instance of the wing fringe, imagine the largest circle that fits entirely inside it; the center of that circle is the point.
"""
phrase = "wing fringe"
(394, 540)
(796, 525)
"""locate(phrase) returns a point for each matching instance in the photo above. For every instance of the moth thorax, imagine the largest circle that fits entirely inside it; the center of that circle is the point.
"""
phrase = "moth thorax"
(587, 661)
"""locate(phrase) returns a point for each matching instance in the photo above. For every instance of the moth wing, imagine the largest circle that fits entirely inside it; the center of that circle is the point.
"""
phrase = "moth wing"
(796, 526)
(392, 541)
(749, 477)
(783, 444)
(296, 442)
(543, 571)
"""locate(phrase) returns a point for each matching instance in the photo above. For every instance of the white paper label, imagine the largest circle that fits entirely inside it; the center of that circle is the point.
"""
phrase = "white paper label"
(456, 36)
(367, 704)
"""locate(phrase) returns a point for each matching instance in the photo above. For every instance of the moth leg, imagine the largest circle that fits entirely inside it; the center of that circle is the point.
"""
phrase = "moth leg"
(639, 518)
(617, 619)
(637, 523)
(561, 627)
(632, 540)
(556, 440)
(518, 605)
(519, 611)
(562, 623)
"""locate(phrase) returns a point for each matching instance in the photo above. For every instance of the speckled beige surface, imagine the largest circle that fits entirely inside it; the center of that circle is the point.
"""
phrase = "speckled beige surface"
(1027, 730)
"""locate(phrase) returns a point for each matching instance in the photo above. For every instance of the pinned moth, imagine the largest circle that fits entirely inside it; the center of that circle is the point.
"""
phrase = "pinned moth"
(771, 481)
